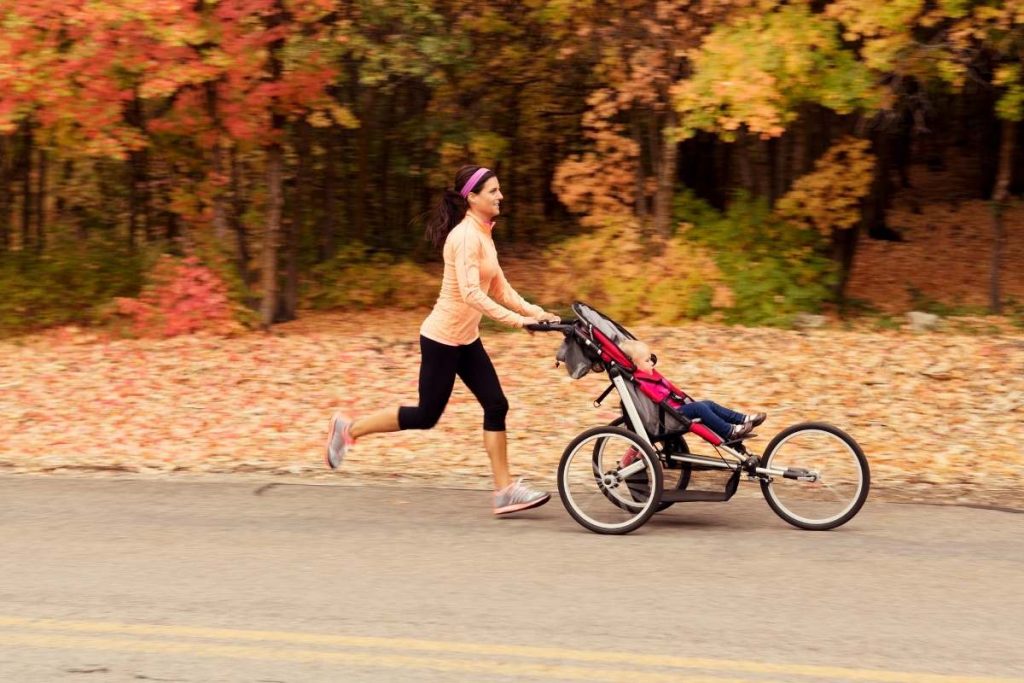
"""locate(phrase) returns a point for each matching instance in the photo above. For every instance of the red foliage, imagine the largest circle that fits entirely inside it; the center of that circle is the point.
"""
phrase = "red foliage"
(184, 297)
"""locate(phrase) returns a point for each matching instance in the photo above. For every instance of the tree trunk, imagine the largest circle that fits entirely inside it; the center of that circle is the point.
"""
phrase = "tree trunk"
(275, 162)
(327, 220)
(26, 186)
(133, 199)
(1000, 195)
(361, 210)
(294, 227)
(640, 201)
(242, 255)
(220, 205)
(390, 235)
(288, 305)
(844, 248)
(667, 170)
(5, 193)
(40, 208)
(271, 235)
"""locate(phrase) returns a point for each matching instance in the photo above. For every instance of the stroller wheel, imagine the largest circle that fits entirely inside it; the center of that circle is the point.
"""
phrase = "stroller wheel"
(610, 481)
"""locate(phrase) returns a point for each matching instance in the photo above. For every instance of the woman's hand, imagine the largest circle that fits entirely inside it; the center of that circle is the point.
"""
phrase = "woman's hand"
(546, 317)
(529, 321)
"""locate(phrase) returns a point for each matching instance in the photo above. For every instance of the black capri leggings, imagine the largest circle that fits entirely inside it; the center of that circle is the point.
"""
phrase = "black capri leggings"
(439, 365)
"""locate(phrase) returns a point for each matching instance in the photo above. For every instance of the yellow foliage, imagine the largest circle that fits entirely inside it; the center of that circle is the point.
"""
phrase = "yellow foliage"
(631, 276)
(828, 198)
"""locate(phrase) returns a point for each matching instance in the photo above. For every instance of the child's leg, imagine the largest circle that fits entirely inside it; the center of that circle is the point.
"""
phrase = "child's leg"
(730, 416)
(707, 415)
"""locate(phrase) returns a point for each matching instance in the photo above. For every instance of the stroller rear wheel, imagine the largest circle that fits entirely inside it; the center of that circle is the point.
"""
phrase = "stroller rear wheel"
(610, 481)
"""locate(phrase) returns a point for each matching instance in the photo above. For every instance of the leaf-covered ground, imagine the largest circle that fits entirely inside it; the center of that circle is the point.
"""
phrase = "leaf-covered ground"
(946, 254)
(939, 414)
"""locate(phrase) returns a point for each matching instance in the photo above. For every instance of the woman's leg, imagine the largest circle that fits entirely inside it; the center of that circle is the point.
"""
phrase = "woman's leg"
(707, 415)
(437, 377)
(385, 420)
(496, 444)
(478, 374)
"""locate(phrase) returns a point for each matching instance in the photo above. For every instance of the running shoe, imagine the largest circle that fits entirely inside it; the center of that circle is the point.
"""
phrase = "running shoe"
(339, 440)
(518, 496)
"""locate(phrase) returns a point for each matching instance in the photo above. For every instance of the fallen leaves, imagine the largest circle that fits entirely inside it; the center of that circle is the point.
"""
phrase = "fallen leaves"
(261, 402)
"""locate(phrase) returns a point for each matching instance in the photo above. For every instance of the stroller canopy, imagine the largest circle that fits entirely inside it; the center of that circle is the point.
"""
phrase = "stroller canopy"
(615, 332)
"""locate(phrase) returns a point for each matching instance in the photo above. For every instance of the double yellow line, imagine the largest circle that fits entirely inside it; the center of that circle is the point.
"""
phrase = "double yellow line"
(429, 655)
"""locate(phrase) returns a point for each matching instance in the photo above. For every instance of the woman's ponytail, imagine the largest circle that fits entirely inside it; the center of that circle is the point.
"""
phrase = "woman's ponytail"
(452, 207)
(446, 215)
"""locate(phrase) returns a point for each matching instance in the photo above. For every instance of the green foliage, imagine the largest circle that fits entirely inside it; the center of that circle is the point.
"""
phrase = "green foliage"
(774, 269)
(886, 322)
(700, 302)
(357, 278)
(68, 284)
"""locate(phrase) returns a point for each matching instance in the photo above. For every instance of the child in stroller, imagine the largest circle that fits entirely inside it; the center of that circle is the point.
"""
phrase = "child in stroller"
(726, 423)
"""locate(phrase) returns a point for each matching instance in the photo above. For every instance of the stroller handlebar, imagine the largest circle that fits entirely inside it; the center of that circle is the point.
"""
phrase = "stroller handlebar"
(564, 326)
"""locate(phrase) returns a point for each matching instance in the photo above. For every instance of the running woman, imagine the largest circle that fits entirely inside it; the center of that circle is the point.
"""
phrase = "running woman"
(473, 285)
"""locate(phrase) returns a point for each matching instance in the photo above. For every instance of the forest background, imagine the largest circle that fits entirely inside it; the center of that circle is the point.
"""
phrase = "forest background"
(702, 170)
(663, 159)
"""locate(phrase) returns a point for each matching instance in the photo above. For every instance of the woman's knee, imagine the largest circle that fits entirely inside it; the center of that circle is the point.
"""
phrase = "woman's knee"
(494, 415)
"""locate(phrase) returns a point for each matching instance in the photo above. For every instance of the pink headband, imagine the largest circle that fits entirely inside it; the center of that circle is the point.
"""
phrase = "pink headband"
(473, 180)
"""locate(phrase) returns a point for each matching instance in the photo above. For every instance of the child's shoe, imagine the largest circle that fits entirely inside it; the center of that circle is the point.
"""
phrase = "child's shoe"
(756, 419)
(740, 430)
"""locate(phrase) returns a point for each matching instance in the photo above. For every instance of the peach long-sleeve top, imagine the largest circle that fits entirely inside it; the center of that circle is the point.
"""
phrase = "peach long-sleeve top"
(473, 285)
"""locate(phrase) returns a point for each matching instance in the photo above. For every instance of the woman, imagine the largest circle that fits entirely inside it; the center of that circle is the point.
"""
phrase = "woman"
(473, 285)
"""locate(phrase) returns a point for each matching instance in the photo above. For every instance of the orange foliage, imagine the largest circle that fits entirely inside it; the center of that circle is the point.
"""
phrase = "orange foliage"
(828, 198)
(600, 183)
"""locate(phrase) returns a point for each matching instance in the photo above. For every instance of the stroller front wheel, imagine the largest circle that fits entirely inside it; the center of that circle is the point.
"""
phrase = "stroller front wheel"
(821, 476)
(610, 481)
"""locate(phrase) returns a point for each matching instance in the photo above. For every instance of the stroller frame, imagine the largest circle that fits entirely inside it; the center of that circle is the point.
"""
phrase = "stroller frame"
(597, 337)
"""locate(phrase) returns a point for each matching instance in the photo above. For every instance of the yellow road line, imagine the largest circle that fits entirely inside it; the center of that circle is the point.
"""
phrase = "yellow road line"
(370, 660)
(494, 650)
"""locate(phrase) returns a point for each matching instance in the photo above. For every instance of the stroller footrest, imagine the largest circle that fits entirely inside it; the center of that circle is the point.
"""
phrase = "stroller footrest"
(694, 496)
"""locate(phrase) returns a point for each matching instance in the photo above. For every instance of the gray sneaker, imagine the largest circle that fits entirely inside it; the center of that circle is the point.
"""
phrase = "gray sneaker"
(338, 441)
(518, 496)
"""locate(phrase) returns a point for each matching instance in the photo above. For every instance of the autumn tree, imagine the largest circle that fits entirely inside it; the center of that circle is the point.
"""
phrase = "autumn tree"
(953, 42)
(641, 49)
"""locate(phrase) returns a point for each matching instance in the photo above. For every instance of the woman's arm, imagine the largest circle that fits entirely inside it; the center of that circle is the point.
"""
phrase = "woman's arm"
(467, 271)
(504, 293)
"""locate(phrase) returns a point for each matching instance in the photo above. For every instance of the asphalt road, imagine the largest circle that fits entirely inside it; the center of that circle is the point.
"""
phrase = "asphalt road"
(245, 580)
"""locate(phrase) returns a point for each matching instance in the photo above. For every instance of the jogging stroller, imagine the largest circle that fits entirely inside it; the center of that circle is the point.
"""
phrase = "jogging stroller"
(614, 477)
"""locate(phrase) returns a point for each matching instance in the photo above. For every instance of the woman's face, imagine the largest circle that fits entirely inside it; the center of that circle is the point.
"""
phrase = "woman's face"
(487, 202)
